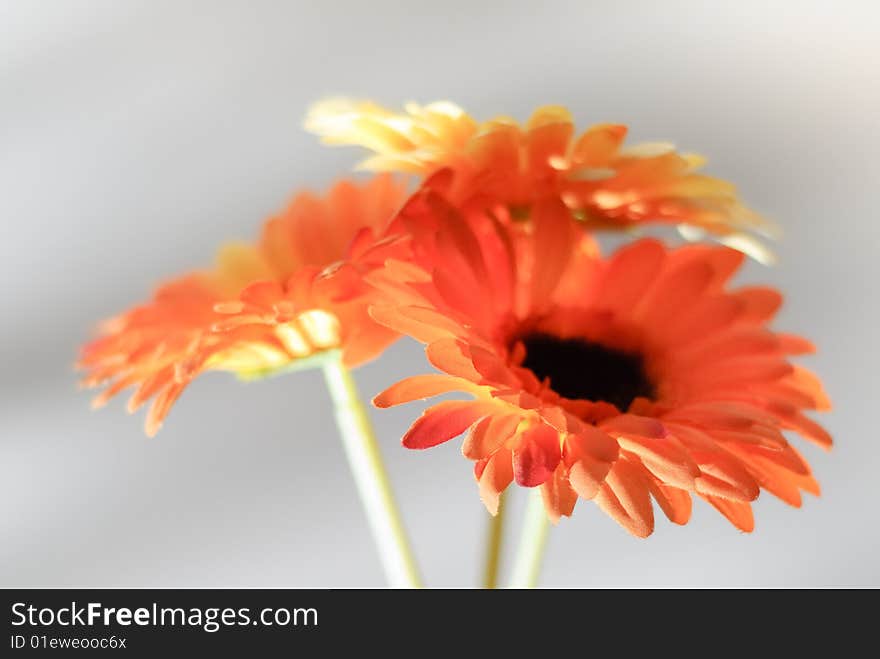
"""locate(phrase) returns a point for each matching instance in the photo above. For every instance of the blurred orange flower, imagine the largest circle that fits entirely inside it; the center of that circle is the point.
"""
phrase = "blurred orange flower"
(603, 183)
(612, 379)
(298, 291)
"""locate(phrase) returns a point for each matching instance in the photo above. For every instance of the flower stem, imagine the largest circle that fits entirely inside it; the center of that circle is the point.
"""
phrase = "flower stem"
(536, 527)
(495, 533)
(365, 461)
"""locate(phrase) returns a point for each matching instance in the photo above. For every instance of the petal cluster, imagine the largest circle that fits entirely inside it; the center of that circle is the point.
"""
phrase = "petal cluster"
(636, 378)
(725, 390)
(295, 292)
(604, 183)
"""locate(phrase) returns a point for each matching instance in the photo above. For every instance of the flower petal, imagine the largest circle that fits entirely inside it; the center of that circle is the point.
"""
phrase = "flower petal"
(629, 274)
(676, 290)
(596, 146)
(444, 421)
(559, 497)
(450, 355)
(796, 345)
(675, 503)
(488, 435)
(665, 459)
(420, 387)
(625, 497)
(424, 325)
(739, 513)
(536, 455)
(588, 455)
(761, 303)
(495, 475)
(553, 235)
(721, 474)
(633, 424)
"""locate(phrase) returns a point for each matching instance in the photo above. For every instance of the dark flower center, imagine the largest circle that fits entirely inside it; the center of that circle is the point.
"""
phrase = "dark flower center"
(582, 370)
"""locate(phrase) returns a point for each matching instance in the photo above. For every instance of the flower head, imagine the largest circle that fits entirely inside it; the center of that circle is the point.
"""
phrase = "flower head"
(298, 291)
(602, 182)
(613, 379)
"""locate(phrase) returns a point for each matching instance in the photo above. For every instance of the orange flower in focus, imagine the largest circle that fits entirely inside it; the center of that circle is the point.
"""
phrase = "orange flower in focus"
(603, 183)
(613, 379)
(297, 292)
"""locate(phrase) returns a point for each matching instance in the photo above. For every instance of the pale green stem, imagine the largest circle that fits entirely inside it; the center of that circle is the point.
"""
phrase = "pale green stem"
(535, 530)
(494, 536)
(371, 479)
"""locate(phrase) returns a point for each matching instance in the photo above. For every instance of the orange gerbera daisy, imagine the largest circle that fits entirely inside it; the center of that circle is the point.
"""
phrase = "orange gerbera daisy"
(603, 183)
(298, 291)
(613, 379)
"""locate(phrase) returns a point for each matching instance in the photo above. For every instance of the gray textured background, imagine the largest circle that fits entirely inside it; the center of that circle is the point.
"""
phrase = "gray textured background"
(135, 137)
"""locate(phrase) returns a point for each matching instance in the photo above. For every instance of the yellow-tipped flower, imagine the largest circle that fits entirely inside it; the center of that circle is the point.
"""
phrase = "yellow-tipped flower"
(604, 183)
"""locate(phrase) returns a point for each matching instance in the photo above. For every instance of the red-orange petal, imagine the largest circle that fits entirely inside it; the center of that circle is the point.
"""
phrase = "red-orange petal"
(536, 455)
(444, 421)
(420, 387)
(495, 475)
(589, 455)
(629, 273)
(424, 325)
(633, 424)
(553, 235)
(675, 503)
(792, 344)
(449, 355)
(559, 497)
(760, 303)
(665, 459)
(739, 513)
(625, 497)
(673, 292)
(488, 435)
